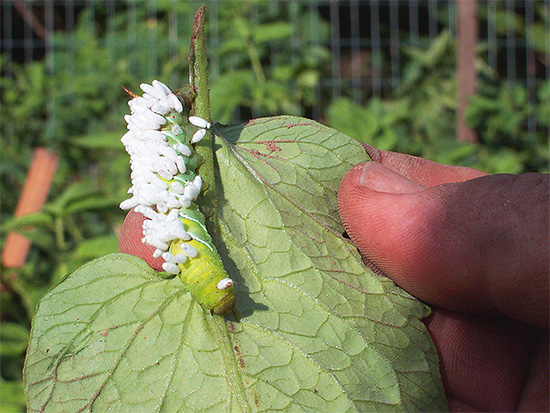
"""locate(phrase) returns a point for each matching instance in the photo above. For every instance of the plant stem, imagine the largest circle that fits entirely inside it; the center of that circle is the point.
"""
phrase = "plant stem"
(74, 229)
(59, 232)
(255, 59)
(198, 60)
(198, 78)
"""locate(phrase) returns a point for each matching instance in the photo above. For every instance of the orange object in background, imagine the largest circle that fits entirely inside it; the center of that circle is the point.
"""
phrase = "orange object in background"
(34, 194)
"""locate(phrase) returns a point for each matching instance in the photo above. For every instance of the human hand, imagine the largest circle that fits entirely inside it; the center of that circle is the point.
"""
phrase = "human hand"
(476, 248)
(129, 240)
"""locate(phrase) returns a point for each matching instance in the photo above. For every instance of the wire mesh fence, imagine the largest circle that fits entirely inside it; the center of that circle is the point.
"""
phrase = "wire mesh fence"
(364, 39)
(383, 72)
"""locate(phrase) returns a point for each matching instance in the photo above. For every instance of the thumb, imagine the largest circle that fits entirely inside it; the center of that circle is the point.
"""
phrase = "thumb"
(129, 241)
(475, 246)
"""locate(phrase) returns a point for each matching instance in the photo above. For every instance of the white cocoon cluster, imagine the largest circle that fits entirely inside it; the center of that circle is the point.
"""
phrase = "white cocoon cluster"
(153, 161)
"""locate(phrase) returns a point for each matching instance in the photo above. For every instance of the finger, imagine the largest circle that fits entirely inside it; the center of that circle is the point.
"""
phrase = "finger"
(422, 171)
(484, 359)
(479, 245)
(129, 241)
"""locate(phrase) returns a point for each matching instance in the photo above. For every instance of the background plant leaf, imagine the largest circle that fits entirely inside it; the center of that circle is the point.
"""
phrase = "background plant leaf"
(13, 398)
(102, 140)
(313, 329)
(39, 219)
(13, 339)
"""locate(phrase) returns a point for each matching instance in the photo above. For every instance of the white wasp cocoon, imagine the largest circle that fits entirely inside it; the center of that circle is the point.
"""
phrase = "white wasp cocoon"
(198, 135)
(199, 122)
(224, 284)
(171, 268)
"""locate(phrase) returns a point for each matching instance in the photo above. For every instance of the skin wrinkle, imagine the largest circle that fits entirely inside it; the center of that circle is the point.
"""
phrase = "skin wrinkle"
(420, 170)
(469, 347)
(441, 221)
(534, 396)
(514, 241)
(448, 223)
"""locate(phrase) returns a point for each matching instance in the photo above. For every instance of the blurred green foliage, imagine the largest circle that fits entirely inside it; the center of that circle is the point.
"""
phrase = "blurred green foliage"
(257, 81)
(420, 118)
(73, 104)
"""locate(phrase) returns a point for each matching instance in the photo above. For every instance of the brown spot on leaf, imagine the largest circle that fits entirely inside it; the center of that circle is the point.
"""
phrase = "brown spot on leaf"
(291, 125)
(106, 332)
(271, 146)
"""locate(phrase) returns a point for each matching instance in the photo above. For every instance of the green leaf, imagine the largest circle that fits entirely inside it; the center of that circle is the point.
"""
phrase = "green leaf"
(313, 328)
(506, 21)
(96, 247)
(38, 219)
(77, 191)
(13, 339)
(272, 32)
(104, 140)
(40, 237)
(93, 202)
(537, 36)
(543, 107)
(434, 54)
(354, 120)
(80, 196)
(13, 398)
(373, 124)
(229, 91)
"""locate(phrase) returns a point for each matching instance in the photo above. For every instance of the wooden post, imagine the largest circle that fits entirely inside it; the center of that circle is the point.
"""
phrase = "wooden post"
(34, 194)
(467, 27)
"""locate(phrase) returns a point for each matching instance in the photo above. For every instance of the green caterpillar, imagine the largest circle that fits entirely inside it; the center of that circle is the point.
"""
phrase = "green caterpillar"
(165, 186)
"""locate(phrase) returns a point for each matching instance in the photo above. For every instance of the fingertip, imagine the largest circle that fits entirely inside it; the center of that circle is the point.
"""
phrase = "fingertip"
(477, 246)
(369, 200)
(381, 179)
(401, 229)
(350, 197)
(423, 171)
(130, 240)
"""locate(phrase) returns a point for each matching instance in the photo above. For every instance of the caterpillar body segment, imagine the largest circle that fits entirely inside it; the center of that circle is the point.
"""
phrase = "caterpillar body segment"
(203, 278)
(165, 186)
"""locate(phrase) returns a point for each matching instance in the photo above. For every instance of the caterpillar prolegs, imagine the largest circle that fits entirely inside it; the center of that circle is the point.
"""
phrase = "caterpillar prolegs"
(165, 186)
